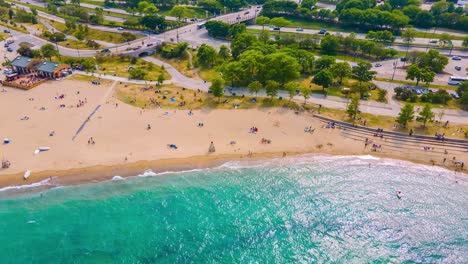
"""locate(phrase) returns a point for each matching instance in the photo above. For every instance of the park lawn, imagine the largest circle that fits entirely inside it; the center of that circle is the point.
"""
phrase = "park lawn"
(386, 122)
(178, 63)
(17, 28)
(119, 66)
(108, 13)
(208, 74)
(95, 34)
(76, 44)
(39, 26)
(91, 2)
(411, 83)
(192, 12)
(134, 94)
(87, 78)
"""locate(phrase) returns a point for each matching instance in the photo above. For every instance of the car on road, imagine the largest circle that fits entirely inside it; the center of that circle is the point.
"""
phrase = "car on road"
(299, 29)
(105, 50)
(276, 28)
(403, 59)
(5, 45)
(6, 31)
(10, 41)
(246, 13)
(149, 44)
(322, 31)
(434, 41)
(456, 58)
(106, 7)
(455, 95)
(458, 68)
(120, 28)
(9, 49)
(378, 65)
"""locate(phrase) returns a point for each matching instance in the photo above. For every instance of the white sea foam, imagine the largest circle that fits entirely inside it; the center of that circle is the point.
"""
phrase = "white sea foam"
(117, 178)
(26, 186)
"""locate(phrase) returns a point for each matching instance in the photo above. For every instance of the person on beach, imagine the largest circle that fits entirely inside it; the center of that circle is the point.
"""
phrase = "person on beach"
(148, 127)
(212, 148)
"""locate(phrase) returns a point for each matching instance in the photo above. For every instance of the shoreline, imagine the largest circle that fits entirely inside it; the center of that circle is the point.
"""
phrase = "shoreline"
(99, 173)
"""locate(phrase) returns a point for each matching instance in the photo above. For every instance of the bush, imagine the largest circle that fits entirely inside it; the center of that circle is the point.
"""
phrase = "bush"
(57, 37)
(137, 73)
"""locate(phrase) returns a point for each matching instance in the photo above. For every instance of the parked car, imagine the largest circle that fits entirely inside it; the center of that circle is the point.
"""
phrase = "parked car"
(6, 31)
(322, 31)
(299, 29)
(5, 45)
(403, 59)
(455, 95)
(458, 68)
(10, 49)
(378, 65)
(10, 41)
(456, 58)
(434, 41)
(120, 28)
(105, 50)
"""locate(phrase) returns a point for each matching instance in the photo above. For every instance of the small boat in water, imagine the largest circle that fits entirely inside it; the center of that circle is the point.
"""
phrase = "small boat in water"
(27, 174)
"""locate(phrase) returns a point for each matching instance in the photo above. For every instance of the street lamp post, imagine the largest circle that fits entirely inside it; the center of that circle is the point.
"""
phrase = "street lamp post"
(395, 63)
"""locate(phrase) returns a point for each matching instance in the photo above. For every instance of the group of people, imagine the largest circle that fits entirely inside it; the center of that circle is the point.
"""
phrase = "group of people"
(253, 130)
(91, 141)
(29, 80)
(379, 133)
(330, 125)
(81, 103)
(6, 164)
(266, 141)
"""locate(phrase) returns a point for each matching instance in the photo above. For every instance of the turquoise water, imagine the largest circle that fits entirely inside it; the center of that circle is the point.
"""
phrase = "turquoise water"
(308, 209)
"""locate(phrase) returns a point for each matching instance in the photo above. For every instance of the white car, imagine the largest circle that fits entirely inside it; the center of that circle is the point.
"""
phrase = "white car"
(299, 29)
(120, 28)
(378, 65)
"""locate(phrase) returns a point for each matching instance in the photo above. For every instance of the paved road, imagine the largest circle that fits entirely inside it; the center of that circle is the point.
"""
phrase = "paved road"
(421, 41)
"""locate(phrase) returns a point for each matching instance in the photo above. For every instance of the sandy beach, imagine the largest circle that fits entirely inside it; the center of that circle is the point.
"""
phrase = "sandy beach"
(123, 143)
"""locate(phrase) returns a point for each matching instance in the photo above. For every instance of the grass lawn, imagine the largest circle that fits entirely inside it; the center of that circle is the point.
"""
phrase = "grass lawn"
(134, 94)
(119, 66)
(208, 74)
(76, 44)
(443, 87)
(299, 22)
(94, 34)
(192, 12)
(39, 26)
(96, 3)
(108, 13)
(87, 78)
(179, 64)
(338, 91)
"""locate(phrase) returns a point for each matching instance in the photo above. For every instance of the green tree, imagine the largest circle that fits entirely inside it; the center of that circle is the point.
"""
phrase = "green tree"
(291, 88)
(362, 72)
(262, 21)
(426, 114)
(161, 78)
(137, 73)
(324, 62)
(445, 39)
(217, 28)
(341, 70)
(272, 88)
(217, 87)
(280, 22)
(464, 101)
(179, 12)
(206, 55)
(224, 52)
(323, 78)
(465, 42)
(329, 44)
(462, 88)
(264, 36)
(48, 51)
(305, 92)
(353, 107)
(408, 36)
(432, 59)
(255, 87)
(382, 95)
(281, 67)
(406, 114)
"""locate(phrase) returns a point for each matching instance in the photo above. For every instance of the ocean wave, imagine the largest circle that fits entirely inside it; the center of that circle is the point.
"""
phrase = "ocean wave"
(117, 178)
(45, 182)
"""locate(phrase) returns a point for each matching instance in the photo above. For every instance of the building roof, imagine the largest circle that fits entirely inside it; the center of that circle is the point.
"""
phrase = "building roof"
(48, 66)
(21, 61)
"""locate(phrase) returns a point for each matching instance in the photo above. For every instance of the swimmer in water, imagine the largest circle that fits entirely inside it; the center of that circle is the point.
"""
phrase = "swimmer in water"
(399, 194)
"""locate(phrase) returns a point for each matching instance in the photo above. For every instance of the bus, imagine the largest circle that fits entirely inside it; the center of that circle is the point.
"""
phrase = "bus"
(201, 25)
(457, 80)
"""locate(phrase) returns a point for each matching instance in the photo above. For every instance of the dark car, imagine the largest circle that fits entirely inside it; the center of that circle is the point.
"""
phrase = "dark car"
(105, 50)
(276, 28)
(458, 68)
(322, 31)
(10, 49)
(6, 31)
(403, 59)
